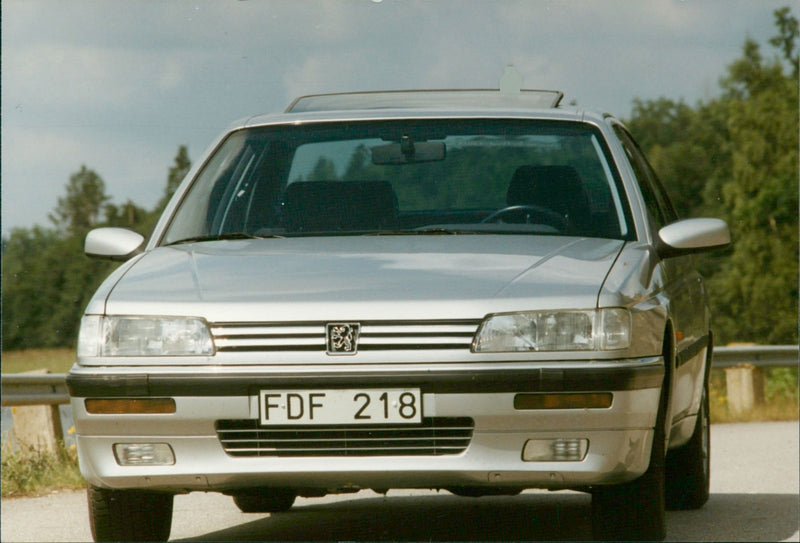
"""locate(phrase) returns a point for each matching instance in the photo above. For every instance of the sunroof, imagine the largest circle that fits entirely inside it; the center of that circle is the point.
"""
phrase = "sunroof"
(477, 98)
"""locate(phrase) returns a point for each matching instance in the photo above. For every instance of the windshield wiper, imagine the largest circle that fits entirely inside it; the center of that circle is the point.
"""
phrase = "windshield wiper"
(444, 230)
(226, 236)
(437, 230)
(419, 232)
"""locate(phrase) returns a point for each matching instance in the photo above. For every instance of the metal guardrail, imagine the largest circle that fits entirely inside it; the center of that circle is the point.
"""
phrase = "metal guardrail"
(756, 355)
(34, 389)
(51, 388)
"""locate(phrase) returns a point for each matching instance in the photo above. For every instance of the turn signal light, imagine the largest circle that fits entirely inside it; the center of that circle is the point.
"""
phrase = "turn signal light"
(578, 400)
(130, 406)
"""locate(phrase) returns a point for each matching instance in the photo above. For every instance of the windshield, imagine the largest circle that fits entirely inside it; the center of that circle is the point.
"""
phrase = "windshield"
(402, 177)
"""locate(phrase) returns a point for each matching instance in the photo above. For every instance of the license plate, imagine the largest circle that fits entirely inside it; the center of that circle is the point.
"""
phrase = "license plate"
(331, 406)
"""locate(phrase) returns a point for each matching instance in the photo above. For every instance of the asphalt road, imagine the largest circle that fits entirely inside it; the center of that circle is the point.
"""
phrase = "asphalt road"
(754, 497)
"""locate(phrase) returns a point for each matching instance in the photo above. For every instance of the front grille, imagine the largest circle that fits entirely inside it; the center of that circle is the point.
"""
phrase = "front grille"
(436, 436)
(374, 335)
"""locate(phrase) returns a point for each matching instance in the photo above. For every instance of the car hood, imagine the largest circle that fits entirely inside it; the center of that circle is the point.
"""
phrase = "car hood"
(364, 277)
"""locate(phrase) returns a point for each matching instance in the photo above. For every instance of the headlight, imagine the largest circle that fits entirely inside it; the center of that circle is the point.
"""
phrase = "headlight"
(144, 336)
(585, 330)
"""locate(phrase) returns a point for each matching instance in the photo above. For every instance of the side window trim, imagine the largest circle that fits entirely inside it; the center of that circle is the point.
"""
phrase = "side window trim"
(660, 192)
(659, 207)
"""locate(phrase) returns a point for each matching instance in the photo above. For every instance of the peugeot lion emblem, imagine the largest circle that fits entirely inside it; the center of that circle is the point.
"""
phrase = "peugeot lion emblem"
(342, 338)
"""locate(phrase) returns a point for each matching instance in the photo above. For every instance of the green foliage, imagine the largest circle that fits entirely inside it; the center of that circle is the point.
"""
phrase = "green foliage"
(324, 169)
(46, 284)
(786, 40)
(30, 472)
(781, 383)
(80, 209)
(180, 167)
(475, 174)
(47, 280)
(687, 147)
(780, 398)
(178, 171)
(736, 158)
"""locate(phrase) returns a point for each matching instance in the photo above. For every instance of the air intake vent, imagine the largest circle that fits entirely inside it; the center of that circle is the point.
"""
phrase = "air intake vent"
(374, 336)
(435, 437)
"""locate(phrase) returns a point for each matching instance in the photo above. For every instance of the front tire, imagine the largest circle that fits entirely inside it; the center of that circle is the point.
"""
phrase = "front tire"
(633, 511)
(129, 515)
(636, 511)
(688, 471)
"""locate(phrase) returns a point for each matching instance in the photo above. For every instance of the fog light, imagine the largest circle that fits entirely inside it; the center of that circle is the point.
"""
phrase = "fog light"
(144, 454)
(555, 450)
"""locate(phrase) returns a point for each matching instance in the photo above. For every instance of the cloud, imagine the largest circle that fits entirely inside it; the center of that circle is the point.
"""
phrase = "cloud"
(68, 76)
(44, 160)
(31, 177)
(120, 88)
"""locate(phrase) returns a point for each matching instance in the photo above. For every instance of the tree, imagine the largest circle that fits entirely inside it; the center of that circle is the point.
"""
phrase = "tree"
(146, 221)
(46, 279)
(786, 40)
(324, 170)
(180, 167)
(688, 147)
(756, 288)
(178, 170)
(80, 209)
(24, 284)
(736, 157)
(128, 215)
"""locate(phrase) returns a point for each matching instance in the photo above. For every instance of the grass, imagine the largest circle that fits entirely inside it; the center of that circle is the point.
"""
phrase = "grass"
(780, 398)
(55, 360)
(31, 472)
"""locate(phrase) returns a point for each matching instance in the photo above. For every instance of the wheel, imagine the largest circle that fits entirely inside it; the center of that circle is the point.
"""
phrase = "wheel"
(636, 511)
(530, 214)
(129, 515)
(688, 471)
(264, 500)
(632, 511)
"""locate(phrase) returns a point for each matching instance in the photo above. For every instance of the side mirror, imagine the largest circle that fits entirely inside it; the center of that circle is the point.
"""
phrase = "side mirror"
(693, 236)
(112, 243)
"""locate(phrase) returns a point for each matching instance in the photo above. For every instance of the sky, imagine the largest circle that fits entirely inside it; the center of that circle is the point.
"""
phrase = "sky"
(118, 85)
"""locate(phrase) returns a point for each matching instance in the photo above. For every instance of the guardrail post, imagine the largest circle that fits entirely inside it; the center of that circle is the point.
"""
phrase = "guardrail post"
(37, 426)
(745, 385)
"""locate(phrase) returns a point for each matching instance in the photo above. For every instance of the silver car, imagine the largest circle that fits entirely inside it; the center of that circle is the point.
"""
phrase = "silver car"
(480, 291)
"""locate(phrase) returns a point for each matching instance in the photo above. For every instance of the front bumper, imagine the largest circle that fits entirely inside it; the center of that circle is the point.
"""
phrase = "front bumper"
(619, 436)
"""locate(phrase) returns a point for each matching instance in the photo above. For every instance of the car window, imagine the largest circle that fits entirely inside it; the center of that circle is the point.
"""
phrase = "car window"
(659, 206)
(470, 176)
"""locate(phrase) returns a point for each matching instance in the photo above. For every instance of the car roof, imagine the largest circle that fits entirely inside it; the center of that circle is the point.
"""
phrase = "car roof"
(426, 104)
(423, 99)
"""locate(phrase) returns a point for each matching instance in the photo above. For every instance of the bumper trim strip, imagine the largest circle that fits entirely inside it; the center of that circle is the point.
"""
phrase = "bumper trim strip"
(584, 379)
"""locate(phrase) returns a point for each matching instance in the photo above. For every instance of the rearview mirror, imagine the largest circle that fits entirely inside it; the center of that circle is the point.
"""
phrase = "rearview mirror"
(408, 151)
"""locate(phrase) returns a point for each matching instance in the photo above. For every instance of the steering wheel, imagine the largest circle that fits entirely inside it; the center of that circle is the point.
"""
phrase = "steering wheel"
(529, 214)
